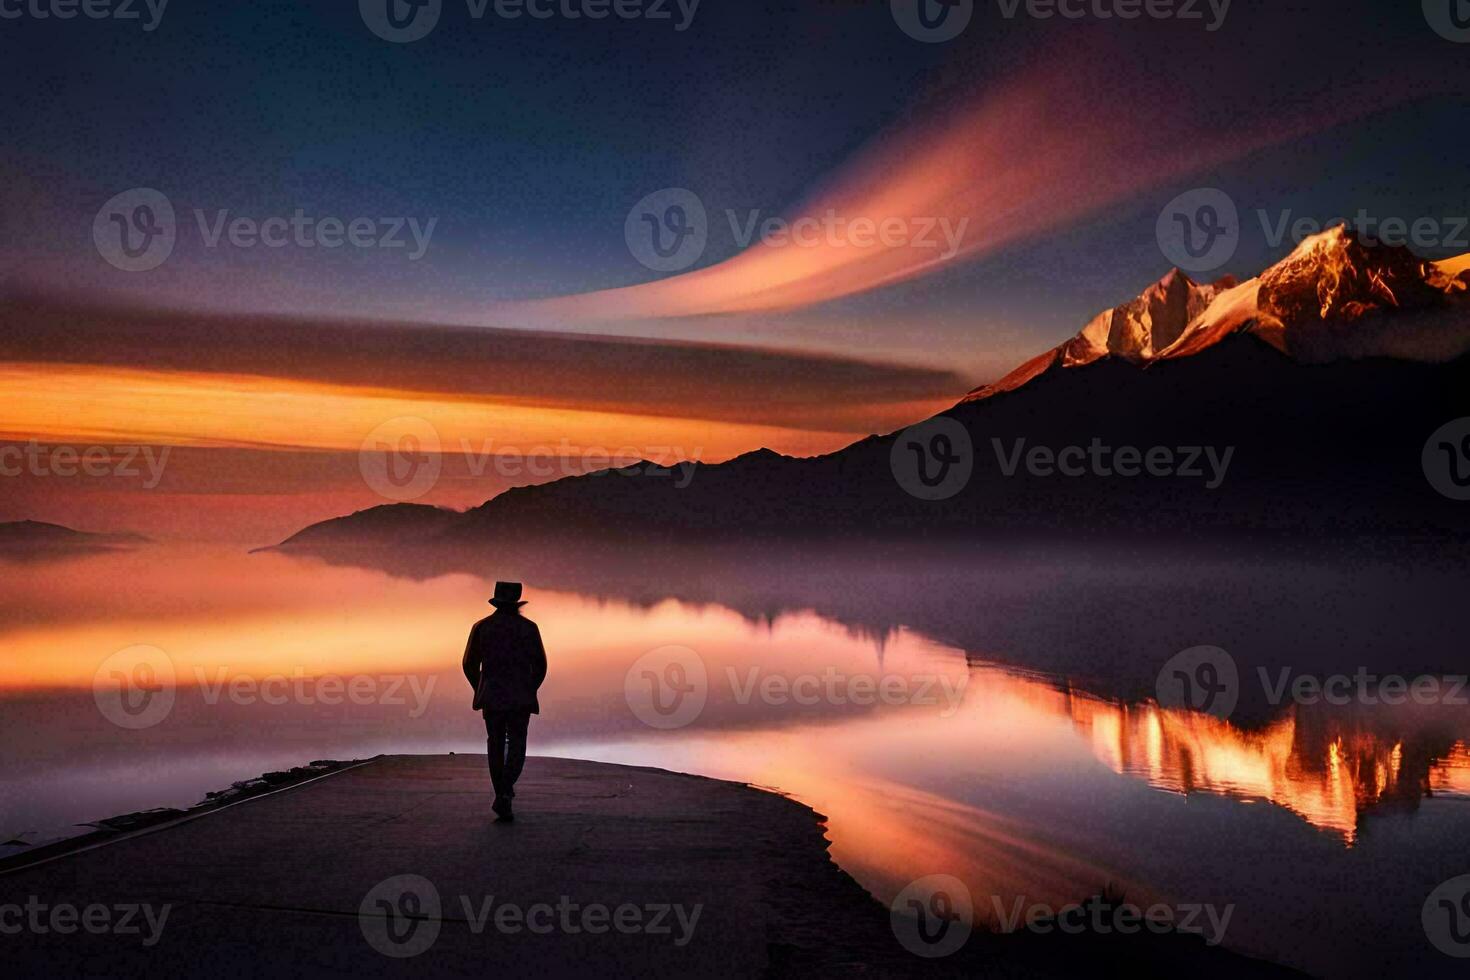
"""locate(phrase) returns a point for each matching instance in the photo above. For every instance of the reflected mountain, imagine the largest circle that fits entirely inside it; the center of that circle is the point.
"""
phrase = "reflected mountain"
(1323, 546)
(1331, 771)
(1100, 618)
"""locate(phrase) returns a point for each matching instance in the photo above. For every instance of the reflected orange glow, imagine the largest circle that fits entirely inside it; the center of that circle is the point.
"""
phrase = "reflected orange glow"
(1451, 775)
(1327, 772)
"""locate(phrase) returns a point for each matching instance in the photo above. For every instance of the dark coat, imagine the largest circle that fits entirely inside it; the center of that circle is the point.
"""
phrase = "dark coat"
(505, 663)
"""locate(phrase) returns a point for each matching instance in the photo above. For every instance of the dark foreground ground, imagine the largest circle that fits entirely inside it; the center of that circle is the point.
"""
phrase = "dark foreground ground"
(394, 868)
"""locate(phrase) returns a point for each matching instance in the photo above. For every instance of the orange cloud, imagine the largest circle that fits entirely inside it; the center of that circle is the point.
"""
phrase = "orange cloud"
(1045, 148)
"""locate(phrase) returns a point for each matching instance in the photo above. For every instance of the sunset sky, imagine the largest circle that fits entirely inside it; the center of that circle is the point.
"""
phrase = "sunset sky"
(1036, 154)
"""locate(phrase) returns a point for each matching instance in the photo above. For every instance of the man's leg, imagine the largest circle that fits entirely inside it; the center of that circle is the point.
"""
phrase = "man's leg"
(495, 733)
(516, 723)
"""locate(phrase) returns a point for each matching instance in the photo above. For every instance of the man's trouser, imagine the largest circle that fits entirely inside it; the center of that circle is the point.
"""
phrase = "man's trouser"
(505, 738)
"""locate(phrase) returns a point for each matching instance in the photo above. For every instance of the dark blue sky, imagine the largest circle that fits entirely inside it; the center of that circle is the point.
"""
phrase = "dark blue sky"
(529, 140)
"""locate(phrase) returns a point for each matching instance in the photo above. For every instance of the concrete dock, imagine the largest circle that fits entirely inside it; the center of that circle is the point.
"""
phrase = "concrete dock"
(395, 867)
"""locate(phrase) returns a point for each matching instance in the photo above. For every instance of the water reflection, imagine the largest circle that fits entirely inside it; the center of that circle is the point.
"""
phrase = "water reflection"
(1330, 771)
(1025, 785)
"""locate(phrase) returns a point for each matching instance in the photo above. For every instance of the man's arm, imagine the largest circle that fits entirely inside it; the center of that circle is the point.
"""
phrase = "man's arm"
(538, 660)
(471, 661)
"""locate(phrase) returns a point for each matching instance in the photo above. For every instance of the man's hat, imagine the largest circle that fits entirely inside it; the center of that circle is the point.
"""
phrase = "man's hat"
(507, 595)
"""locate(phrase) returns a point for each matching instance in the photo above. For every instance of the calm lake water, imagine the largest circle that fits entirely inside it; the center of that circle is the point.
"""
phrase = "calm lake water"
(1325, 828)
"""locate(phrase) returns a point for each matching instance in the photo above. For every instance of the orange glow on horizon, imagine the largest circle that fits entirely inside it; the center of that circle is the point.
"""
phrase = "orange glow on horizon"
(62, 403)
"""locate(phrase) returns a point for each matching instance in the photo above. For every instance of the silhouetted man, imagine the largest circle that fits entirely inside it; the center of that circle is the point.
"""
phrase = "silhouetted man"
(505, 663)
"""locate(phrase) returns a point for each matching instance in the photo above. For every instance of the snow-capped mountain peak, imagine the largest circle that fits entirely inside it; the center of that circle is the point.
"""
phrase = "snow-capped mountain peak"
(1139, 329)
(1335, 296)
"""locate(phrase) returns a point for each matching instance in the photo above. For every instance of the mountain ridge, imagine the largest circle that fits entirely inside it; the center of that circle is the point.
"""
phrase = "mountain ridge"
(1289, 371)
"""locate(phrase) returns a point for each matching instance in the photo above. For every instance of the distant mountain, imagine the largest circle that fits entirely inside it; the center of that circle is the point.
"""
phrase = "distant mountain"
(1295, 403)
(378, 525)
(30, 537)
